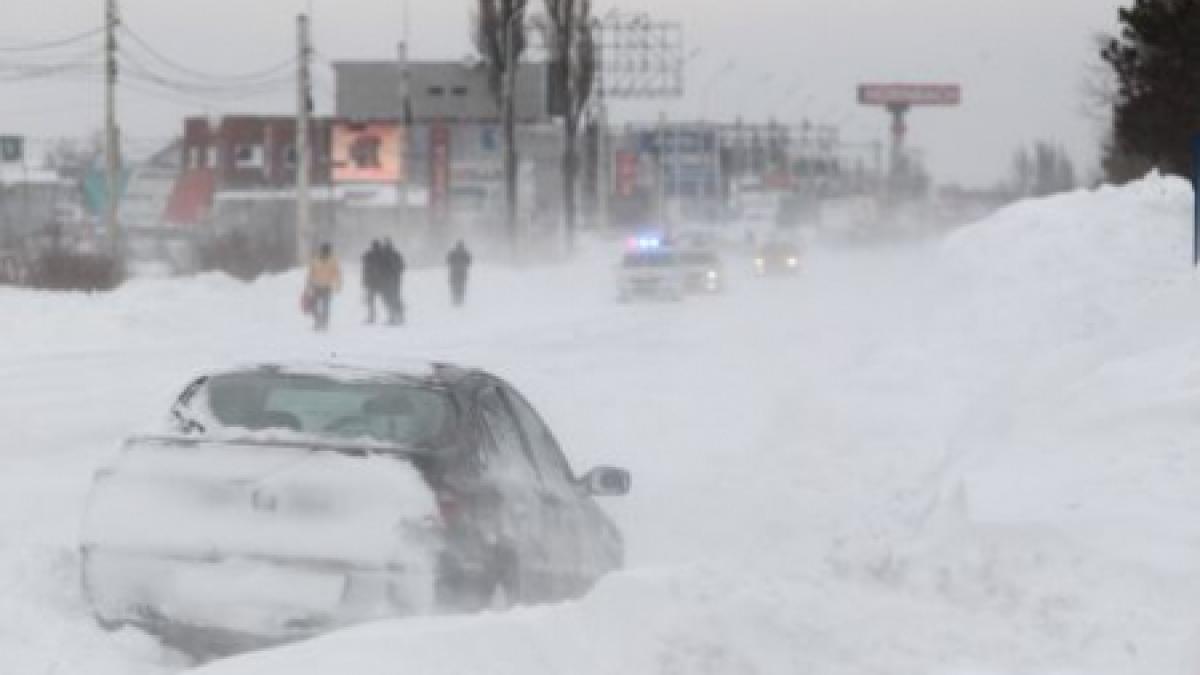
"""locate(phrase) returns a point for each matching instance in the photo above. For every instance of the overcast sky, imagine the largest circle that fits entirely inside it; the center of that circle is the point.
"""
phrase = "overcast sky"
(1022, 63)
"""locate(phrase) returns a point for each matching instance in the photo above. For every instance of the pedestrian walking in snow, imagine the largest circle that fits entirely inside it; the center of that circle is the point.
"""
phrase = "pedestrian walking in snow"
(324, 279)
(373, 263)
(392, 278)
(459, 262)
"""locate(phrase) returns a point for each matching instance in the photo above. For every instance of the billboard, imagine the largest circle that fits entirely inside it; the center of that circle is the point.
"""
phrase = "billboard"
(910, 94)
(368, 153)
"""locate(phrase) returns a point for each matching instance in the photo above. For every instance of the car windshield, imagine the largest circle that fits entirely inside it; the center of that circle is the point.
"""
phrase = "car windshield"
(647, 260)
(388, 410)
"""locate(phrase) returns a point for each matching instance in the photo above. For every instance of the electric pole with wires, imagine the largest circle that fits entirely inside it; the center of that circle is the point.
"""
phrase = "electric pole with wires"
(112, 159)
(304, 235)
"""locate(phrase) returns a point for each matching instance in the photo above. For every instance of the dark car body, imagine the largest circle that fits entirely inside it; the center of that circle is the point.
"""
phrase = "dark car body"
(377, 493)
(777, 258)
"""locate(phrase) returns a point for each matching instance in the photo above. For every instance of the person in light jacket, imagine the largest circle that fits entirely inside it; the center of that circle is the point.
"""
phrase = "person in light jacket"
(324, 279)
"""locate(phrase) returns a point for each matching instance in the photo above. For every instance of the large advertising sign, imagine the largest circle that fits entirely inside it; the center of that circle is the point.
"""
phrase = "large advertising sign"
(368, 153)
(910, 94)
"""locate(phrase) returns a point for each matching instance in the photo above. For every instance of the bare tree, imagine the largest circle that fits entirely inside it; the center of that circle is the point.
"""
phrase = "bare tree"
(572, 50)
(1041, 170)
(500, 40)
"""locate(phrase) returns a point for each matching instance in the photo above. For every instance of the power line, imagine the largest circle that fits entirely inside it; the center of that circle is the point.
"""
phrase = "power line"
(53, 44)
(15, 71)
(202, 75)
(137, 70)
(33, 73)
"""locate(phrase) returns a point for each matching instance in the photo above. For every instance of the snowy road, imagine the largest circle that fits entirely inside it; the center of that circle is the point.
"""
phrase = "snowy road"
(928, 460)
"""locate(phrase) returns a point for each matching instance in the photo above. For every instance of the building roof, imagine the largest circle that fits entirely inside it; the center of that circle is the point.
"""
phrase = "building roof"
(437, 90)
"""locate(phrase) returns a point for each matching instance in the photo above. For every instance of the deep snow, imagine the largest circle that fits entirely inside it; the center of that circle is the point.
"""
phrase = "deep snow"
(967, 457)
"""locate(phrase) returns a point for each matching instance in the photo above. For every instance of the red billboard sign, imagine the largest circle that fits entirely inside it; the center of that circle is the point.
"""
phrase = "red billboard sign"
(910, 94)
(368, 153)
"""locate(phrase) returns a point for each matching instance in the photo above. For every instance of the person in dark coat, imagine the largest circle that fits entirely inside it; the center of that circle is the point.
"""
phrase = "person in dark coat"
(373, 272)
(392, 278)
(459, 262)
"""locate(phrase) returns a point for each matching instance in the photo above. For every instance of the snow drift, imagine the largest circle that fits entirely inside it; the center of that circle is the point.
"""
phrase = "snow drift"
(969, 457)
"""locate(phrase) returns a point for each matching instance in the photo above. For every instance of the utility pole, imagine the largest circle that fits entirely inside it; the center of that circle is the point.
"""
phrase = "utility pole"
(405, 135)
(508, 114)
(304, 233)
(112, 160)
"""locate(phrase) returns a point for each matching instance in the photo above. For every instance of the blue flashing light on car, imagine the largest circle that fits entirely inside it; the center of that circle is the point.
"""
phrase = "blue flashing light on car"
(645, 243)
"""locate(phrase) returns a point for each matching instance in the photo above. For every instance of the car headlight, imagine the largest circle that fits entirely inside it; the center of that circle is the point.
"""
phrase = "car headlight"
(760, 262)
(793, 262)
(713, 275)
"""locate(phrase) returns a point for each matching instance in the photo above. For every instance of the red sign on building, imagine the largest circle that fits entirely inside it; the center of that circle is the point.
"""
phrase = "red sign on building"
(627, 174)
(439, 174)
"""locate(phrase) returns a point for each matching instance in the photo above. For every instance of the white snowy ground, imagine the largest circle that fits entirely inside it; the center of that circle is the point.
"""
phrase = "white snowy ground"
(972, 457)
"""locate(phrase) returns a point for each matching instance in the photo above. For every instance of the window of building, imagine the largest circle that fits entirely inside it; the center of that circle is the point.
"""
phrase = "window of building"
(437, 91)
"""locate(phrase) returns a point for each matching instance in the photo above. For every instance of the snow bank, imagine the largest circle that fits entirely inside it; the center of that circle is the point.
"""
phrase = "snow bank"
(969, 457)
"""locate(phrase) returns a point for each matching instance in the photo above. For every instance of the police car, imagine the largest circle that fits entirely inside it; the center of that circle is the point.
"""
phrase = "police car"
(650, 270)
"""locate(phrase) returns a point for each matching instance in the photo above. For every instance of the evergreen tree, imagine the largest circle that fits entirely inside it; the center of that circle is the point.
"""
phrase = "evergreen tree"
(1156, 61)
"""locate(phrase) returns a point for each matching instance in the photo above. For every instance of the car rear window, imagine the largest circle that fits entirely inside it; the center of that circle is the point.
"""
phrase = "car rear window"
(387, 409)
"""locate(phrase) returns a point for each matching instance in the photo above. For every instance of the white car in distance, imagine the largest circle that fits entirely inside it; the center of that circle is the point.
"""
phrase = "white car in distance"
(651, 272)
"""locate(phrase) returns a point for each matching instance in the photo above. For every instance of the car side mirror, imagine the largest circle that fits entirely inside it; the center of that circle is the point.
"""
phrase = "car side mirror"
(607, 481)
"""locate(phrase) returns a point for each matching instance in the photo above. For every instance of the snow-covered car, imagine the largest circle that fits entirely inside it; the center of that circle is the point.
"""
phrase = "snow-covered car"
(651, 273)
(285, 501)
(703, 271)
